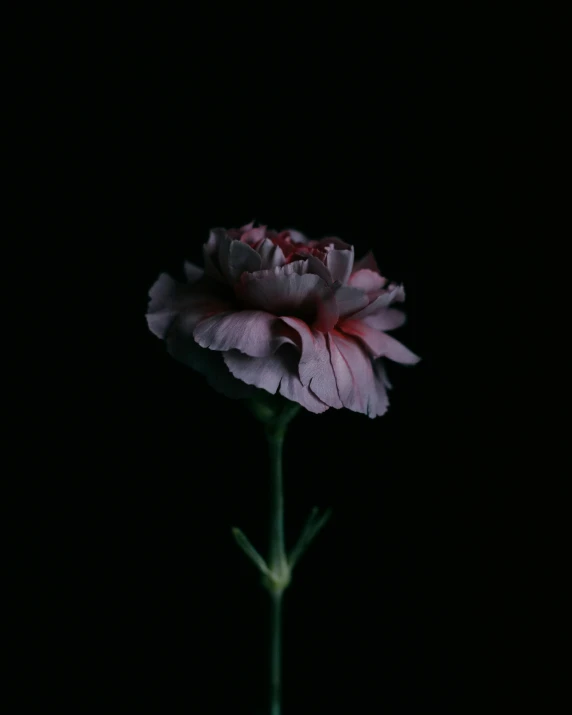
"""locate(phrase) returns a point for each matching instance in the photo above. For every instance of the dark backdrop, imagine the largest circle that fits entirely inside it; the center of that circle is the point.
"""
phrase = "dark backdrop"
(395, 138)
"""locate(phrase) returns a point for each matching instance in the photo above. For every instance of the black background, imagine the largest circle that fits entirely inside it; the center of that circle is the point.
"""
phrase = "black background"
(398, 137)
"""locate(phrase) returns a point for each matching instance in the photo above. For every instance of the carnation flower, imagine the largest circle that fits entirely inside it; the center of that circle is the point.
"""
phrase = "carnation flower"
(285, 314)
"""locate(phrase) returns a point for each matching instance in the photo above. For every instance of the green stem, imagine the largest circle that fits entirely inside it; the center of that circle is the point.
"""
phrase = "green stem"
(276, 654)
(275, 413)
(277, 556)
(277, 561)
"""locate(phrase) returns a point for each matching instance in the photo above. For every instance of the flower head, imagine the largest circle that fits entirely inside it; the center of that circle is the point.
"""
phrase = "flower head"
(285, 314)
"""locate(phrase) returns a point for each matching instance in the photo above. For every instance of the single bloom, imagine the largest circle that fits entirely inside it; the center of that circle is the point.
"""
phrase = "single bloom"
(285, 314)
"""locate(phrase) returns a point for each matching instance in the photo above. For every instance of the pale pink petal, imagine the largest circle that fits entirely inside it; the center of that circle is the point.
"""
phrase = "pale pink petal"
(253, 236)
(302, 263)
(271, 255)
(358, 388)
(340, 263)
(379, 344)
(396, 351)
(283, 290)
(327, 316)
(174, 310)
(367, 280)
(275, 373)
(380, 400)
(380, 373)
(198, 306)
(385, 319)
(235, 258)
(297, 237)
(210, 253)
(350, 300)
(192, 272)
(372, 339)
(176, 305)
(244, 229)
(380, 303)
(350, 370)
(315, 368)
(303, 336)
(250, 331)
(316, 266)
(368, 261)
(236, 233)
(161, 311)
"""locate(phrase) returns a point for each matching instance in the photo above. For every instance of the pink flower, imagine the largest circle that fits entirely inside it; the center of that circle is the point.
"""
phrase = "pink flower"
(288, 315)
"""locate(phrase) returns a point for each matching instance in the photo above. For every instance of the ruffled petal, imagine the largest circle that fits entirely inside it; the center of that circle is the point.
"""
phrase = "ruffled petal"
(251, 331)
(235, 258)
(314, 367)
(328, 314)
(238, 232)
(274, 373)
(210, 253)
(396, 351)
(368, 261)
(380, 373)
(315, 265)
(271, 255)
(350, 300)
(385, 319)
(253, 236)
(379, 344)
(283, 290)
(175, 305)
(192, 272)
(161, 311)
(358, 387)
(372, 339)
(339, 263)
(297, 236)
(367, 280)
(379, 304)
